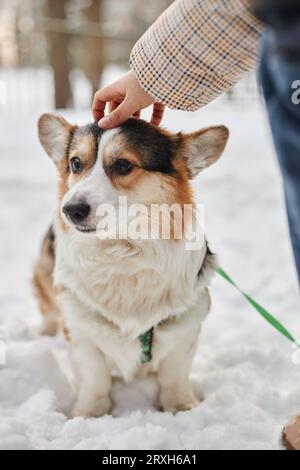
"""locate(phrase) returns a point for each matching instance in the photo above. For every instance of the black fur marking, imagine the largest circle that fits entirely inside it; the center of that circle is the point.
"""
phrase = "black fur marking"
(156, 150)
(50, 234)
(207, 254)
(91, 128)
(50, 240)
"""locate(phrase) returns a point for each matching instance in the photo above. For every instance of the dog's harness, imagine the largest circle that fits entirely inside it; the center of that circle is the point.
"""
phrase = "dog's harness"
(146, 345)
(146, 338)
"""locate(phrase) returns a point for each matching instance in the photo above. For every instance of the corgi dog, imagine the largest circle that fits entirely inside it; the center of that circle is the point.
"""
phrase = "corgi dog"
(129, 304)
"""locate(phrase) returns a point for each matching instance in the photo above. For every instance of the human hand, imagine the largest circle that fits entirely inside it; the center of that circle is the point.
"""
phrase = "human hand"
(126, 98)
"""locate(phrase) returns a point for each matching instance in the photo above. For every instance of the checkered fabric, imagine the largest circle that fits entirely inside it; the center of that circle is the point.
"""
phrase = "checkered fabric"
(196, 50)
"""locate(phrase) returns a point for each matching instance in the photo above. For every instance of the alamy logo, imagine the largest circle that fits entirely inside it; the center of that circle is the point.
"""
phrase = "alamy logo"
(153, 222)
(296, 93)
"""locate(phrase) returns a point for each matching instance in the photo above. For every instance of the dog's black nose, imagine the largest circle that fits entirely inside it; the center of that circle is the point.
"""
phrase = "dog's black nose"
(77, 212)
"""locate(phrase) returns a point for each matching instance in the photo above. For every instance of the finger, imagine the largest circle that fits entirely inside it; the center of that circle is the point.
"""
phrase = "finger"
(157, 113)
(137, 114)
(98, 108)
(102, 97)
(117, 116)
(113, 105)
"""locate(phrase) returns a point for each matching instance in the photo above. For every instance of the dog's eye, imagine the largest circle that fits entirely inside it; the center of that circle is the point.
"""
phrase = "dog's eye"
(76, 165)
(122, 167)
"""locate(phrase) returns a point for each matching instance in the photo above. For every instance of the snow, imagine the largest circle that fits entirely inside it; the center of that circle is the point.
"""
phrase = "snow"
(243, 368)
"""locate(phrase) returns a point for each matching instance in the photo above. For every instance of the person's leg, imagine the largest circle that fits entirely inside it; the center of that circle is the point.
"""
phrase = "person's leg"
(279, 72)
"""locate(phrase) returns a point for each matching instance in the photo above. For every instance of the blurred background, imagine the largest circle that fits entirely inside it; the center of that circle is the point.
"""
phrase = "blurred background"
(56, 53)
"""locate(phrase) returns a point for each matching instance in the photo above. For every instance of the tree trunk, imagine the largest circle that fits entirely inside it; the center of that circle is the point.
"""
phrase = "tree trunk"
(94, 46)
(59, 57)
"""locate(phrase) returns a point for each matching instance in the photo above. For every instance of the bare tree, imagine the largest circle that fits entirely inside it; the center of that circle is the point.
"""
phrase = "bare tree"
(59, 56)
(94, 55)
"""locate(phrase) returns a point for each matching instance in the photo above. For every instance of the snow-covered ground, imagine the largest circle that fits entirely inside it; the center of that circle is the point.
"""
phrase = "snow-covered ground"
(243, 367)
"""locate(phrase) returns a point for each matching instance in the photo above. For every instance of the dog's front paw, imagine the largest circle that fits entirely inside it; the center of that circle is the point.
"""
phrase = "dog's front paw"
(174, 408)
(92, 408)
(49, 327)
(173, 403)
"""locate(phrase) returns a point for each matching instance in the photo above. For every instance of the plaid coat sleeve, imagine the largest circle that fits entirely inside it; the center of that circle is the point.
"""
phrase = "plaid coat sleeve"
(196, 50)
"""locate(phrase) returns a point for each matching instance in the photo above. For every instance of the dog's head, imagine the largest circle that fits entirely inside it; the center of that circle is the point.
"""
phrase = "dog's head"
(145, 163)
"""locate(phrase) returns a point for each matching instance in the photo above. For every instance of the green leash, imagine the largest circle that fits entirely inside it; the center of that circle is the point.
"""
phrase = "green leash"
(262, 311)
(147, 337)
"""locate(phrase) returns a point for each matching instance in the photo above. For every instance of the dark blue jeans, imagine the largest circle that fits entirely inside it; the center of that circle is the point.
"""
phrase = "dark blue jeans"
(280, 78)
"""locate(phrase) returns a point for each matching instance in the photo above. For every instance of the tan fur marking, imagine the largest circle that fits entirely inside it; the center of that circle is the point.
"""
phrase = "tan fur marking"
(62, 188)
(118, 148)
(181, 185)
(151, 187)
(65, 330)
(43, 287)
(82, 147)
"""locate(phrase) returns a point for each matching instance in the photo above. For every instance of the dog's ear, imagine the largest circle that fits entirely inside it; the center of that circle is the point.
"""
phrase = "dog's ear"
(54, 134)
(203, 148)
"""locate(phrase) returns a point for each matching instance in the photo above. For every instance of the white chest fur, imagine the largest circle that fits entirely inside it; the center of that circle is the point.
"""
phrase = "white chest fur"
(116, 291)
(133, 286)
